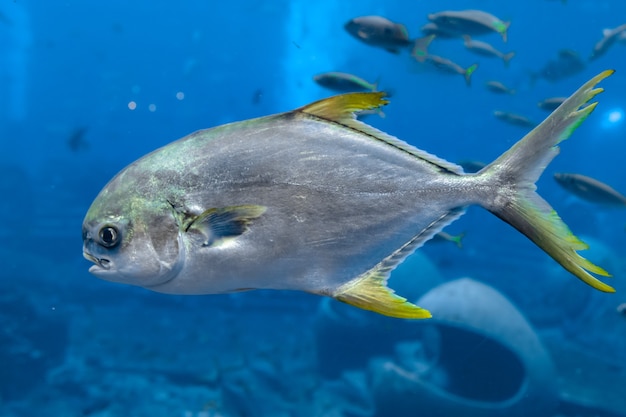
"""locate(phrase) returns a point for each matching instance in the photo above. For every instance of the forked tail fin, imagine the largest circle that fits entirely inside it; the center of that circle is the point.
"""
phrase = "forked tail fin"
(514, 175)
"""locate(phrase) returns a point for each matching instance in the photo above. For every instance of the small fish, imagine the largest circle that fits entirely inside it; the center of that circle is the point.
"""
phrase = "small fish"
(447, 237)
(514, 119)
(609, 36)
(470, 22)
(485, 49)
(76, 141)
(471, 167)
(315, 200)
(551, 104)
(447, 66)
(380, 32)
(590, 189)
(567, 63)
(257, 96)
(431, 28)
(498, 87)
(420, 47)
(342, 82)
(621, 309)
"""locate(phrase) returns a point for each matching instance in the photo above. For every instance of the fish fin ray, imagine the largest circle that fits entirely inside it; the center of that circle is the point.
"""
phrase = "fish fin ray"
(216, 224)
(517, 170)
(369, 291)
(342, 110)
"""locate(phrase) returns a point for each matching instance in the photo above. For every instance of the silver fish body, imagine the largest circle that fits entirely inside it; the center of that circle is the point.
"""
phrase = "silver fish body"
(312, 200)
(336, 202)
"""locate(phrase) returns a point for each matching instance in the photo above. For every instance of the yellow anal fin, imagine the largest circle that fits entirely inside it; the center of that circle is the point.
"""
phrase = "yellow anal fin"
(370, 292)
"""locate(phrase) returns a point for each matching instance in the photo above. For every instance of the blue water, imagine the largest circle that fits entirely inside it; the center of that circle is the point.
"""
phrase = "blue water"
(88, 87)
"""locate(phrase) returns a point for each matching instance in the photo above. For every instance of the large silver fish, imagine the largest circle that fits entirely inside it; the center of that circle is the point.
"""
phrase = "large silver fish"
(317, 201)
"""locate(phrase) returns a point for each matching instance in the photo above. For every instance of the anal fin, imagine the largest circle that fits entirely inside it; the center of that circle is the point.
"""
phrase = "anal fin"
(369, 290)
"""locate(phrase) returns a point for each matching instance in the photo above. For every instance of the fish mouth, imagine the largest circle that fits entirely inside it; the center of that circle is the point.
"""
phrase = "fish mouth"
(100, 263)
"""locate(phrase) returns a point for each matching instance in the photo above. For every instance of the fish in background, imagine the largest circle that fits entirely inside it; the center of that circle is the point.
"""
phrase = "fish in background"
(609, 36)
(498, 88)
(470, 22)
(431, 28)
(590, 189)
(471, 166)
(445, 65)
(486, 49)
(567, 64)
(420, 47)
(551, 103)
(447, 237)
(379, 32)
(16, 33)
(316, 201)
(514, 119)
(76, 141)
(343, 82)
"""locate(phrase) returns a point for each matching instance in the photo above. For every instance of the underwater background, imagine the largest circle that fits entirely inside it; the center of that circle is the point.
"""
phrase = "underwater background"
(88, 87)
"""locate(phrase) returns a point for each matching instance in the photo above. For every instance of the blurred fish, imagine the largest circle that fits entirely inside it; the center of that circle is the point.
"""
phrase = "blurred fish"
(380, 32)
(447, 237)
(514, 119)
(420, 47)
(472, 166)
(469, 22)
(590, 189)
(76, 141)
(566, 64)
(431, 28)
(316, 201)
(621, 309)
(485, 49)
(342, 82)
(447, 66)
(498, 87)
(609, 36)
(622, 37)
(550, 104)
(257, 96)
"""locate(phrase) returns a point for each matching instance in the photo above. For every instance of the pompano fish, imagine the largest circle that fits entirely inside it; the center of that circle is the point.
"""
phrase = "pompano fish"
(551, 103)
(469, 22)
(379, 31)
(609, 36)
(498, 87)
(485, 49)
(590, 189)
(316, 201)
(446, 65)
(344, 82)
(514, 118)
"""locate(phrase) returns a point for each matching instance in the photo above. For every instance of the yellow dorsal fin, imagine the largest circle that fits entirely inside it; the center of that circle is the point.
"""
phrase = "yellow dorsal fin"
(344, 108)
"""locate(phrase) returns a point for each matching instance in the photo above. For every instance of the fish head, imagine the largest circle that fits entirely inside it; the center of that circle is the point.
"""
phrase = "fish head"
(132, 239)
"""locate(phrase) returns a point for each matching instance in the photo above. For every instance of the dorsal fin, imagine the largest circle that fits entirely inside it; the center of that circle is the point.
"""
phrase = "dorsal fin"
(343, 109)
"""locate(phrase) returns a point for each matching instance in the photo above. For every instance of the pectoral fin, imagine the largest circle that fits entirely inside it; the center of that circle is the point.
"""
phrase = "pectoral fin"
(217, 224)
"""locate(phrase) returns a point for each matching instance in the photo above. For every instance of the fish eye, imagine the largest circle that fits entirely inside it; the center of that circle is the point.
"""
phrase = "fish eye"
(109, 236)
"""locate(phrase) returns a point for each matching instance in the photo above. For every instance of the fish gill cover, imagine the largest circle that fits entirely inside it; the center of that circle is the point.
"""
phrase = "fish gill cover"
(86, 88)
